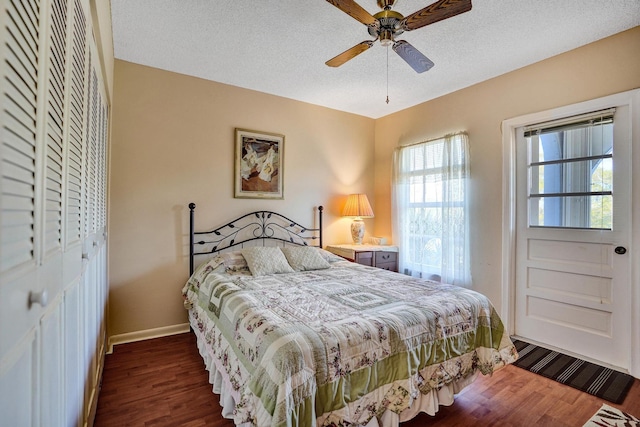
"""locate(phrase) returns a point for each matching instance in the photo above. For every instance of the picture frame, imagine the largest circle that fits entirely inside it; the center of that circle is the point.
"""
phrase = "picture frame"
(259, 165)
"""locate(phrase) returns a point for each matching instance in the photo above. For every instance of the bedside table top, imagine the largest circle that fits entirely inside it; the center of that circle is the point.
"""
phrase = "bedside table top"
(349, 251)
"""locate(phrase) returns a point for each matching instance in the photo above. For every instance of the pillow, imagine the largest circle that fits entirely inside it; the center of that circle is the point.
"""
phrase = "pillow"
(266, 260)
(304, 258)
(234, 261)
(329, 256)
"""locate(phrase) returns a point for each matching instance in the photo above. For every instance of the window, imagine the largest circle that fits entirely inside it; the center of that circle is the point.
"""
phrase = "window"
(570, 172)
(430, 209)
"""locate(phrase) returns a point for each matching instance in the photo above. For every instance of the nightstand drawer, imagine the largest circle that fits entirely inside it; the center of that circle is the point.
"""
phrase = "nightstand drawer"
(386, 257)
(365, 258)
(391, 266)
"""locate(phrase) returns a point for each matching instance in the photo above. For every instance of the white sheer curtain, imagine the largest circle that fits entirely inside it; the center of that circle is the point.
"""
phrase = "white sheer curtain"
(430, 209)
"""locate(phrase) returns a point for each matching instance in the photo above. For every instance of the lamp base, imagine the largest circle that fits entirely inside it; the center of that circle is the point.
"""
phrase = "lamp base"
(357, 231)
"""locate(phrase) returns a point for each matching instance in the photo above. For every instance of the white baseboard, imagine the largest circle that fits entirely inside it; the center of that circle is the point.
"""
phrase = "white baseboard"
(146, 335)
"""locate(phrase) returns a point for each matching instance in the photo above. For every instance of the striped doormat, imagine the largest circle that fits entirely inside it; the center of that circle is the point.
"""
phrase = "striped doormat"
(602, 382)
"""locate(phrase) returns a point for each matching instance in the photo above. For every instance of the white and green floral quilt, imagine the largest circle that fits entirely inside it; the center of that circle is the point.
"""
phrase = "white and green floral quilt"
(341, 345)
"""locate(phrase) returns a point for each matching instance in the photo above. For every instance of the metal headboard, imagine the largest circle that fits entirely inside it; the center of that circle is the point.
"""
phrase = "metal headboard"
(259, 225)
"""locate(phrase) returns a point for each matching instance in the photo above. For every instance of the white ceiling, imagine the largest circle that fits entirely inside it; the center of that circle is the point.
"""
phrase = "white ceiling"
(280, 46)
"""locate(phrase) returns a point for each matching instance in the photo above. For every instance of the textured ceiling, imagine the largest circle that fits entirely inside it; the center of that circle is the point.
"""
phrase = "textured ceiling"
(280, 46)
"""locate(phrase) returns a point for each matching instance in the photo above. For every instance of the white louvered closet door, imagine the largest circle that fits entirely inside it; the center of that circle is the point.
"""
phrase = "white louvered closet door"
(51, 360)
(53, 284)
(20, 69)
(94, 281)
(74, 366)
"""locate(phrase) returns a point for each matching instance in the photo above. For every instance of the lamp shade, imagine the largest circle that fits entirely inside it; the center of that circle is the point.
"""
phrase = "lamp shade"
(358, 206)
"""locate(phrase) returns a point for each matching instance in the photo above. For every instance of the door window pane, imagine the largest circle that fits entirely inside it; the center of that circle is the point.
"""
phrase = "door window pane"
(571, 175)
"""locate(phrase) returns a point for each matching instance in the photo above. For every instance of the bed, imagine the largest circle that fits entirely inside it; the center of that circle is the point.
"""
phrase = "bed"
(293, 335)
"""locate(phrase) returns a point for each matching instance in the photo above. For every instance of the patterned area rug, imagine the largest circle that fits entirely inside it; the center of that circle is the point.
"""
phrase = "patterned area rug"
(602, 382)
(608, 416)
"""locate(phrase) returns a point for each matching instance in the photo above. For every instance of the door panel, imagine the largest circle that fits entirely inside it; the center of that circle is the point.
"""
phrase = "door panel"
(73, 372)
(52, 366)
(570, 285)
(18, 402)
(570, 315)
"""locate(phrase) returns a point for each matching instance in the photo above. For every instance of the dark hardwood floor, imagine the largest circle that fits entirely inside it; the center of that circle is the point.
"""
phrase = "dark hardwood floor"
(162, 382)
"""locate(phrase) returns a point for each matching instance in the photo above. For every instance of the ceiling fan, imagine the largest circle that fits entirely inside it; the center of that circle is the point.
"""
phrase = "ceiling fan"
(387, 24)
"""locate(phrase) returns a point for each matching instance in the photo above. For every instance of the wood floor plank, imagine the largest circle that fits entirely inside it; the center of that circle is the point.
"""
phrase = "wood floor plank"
(162, 382)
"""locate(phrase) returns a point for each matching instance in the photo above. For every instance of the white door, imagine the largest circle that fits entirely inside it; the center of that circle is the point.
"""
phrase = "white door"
(20, 61)
(573, 201)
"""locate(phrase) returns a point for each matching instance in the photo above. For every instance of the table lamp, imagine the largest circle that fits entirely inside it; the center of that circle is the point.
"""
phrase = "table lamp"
(357, 207)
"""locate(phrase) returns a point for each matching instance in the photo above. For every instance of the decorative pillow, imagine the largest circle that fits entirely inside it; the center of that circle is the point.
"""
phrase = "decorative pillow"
(234, 261)
(266, 260)
(304, 258)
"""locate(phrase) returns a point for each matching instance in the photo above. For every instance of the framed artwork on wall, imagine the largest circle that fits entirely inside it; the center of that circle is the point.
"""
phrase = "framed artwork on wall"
(259, 165)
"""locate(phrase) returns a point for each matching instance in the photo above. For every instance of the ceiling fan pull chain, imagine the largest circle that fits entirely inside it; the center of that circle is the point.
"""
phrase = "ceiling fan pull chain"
(387, 74)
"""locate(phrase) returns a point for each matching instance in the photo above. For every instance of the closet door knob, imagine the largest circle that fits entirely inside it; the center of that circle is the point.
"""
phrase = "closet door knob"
(620, 250)
(41, 298)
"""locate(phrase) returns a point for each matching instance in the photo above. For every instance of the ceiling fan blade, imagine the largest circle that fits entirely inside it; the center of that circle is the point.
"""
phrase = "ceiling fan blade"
(435, 12)
(348, 54)
(412, 56)
(354, 10)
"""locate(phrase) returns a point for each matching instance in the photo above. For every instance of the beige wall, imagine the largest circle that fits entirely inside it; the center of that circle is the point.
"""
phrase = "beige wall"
(606, 67)
(172, 144)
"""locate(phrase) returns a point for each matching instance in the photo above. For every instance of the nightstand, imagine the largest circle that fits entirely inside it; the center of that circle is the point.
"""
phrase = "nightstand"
(385, 257)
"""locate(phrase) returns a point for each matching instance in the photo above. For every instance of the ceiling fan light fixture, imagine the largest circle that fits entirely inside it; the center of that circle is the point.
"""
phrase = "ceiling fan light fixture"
(388, 26)
(386, 38)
